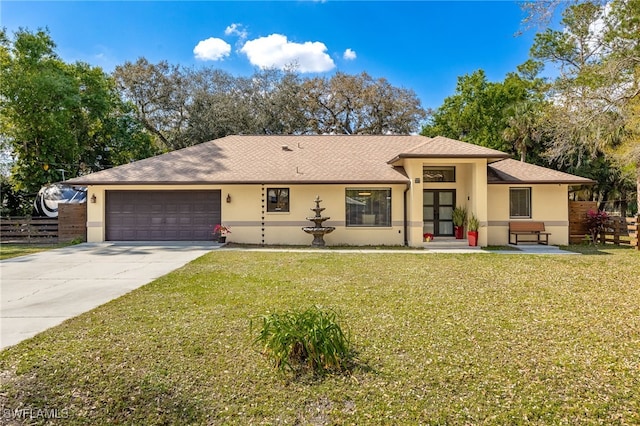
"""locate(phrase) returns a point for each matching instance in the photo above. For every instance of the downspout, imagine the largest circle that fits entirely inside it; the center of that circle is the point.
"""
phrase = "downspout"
(406, 240)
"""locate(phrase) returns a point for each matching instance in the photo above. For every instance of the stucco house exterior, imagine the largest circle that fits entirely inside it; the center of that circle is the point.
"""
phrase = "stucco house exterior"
(377, 190)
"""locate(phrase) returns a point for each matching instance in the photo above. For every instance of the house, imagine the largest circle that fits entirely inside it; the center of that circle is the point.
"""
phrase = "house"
(377, 190)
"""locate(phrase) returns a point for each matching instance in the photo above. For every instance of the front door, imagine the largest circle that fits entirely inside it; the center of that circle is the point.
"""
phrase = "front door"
(437, 211)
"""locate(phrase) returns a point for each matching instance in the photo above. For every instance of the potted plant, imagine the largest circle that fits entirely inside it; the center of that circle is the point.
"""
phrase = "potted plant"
(459, 219)
(220, 233)
(427, 237)
(472, 230)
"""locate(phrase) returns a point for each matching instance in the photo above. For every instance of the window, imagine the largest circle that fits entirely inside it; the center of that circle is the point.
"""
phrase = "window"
(520, 202)
(368, 207)
(439, 174)
(277, 199)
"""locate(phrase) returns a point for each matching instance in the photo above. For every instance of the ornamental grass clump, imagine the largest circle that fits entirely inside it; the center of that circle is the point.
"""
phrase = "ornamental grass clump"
(310, 339)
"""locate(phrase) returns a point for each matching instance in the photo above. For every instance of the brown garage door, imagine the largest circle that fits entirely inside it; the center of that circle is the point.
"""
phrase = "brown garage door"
(161, 215)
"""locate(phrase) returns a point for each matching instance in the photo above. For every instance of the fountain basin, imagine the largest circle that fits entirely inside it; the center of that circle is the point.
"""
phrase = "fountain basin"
(318, 234)
(318, 219)
(319, 230)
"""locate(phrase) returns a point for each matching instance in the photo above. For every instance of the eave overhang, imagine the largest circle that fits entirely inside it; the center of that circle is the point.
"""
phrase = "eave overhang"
(489, 158)
(248, 182)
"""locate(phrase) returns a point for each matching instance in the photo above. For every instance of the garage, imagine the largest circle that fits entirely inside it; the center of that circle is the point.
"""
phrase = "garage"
(161, 215)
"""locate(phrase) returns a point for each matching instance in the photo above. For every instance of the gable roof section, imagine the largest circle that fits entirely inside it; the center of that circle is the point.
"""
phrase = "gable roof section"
(511, 171)
(441, 147)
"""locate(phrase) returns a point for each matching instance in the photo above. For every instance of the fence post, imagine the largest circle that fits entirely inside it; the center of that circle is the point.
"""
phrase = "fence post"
(638, 231)
(617, 225)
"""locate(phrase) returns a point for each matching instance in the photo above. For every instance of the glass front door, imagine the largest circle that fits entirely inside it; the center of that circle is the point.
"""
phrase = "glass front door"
(437, 211)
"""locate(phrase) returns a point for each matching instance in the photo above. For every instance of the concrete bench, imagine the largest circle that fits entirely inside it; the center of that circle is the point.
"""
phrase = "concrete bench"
(535, 229)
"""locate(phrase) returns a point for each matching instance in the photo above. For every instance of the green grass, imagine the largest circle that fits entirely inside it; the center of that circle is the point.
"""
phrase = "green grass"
(501, 248)
(446, 339)
(8, 251)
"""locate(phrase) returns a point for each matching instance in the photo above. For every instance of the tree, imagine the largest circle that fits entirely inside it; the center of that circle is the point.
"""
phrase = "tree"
(14, 202)
(160, 93)
(625, 56)
(274, 99)
(359, 105)
(523, 127)
(39, 101)
(598, 56)
(215, 109)
(122, 139)
(59, 119)
(628, 153)
(268, 102)
(479, 111)
(183, 107)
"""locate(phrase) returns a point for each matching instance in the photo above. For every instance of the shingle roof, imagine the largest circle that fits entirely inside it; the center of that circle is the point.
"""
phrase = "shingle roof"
(289, 159)
(441, 147)
(263, 159)
(513, 172)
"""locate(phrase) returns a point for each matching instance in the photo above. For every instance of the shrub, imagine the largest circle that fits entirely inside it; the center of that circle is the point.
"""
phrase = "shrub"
(310, 339)
(596, 223)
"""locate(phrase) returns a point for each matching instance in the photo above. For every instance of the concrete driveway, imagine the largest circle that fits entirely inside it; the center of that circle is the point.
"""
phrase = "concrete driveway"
(41, 290)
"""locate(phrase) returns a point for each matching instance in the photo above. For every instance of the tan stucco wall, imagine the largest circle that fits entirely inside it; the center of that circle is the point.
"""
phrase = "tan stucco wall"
(549, 204)
(470, 187)
(246, 218)
(490, 203)
(244, 214)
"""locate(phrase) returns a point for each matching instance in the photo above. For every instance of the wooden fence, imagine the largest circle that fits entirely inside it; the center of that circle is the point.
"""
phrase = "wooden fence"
(28, 230)
(70, 224)
(577, 220)
(619, 230)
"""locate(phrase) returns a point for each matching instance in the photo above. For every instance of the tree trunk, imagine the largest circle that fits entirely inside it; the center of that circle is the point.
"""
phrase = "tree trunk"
(638, 191)
(602, 202)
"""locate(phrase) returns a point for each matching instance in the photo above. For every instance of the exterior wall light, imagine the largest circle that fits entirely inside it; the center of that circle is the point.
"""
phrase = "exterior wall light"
(228, 198)
(93, 198)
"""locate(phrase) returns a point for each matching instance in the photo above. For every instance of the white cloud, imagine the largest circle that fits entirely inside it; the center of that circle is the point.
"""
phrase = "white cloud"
(236, 29)
(349, 55)
(212, 49)
(276, 51)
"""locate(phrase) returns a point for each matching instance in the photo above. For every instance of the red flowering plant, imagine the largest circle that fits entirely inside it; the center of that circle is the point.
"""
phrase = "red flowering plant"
(221, 230)
(427, 236)
(596, 223)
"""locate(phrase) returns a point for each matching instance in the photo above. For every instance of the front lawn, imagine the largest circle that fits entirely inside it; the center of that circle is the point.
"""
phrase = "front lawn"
(441, 339)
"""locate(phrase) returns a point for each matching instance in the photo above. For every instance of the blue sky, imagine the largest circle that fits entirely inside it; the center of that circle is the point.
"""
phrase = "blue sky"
(420, 45)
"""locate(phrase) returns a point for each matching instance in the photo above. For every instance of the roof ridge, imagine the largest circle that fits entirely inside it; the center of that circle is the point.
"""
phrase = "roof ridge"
(429, 139)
